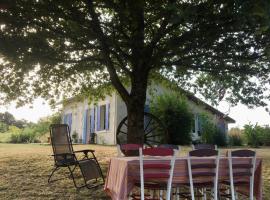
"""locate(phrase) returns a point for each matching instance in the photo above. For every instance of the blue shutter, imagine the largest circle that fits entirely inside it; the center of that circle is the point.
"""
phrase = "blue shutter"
(222, 126)
(98, 118)
(92, 120)
(107, 117)
(65, 119)
(200, 129)
(69, 120)
(84, 133)
(146, 108)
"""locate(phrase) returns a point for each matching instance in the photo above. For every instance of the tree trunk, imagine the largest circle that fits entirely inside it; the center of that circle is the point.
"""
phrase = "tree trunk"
(135, 107)
(135, 112)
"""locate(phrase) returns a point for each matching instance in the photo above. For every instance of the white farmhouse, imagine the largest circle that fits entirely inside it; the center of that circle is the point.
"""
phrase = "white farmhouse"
(102, 118)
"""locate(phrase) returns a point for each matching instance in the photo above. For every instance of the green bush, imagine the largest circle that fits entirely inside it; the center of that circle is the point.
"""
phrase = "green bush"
(210, 133)
(220, 138)
(265, 136)
(253, 135)
(172, 109)
(23, 137)
(208, 129)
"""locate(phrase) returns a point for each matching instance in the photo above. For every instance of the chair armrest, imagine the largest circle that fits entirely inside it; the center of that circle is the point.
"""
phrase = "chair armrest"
(63, 154)
(85, 151)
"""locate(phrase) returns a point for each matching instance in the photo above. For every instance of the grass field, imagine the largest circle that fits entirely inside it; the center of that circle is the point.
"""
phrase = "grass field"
(24, 170)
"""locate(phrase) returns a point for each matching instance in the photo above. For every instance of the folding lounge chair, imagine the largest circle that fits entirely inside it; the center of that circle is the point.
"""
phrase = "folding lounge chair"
(65, 157)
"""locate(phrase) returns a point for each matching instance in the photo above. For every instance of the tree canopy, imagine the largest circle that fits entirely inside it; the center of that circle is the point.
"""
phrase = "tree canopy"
(51, 48)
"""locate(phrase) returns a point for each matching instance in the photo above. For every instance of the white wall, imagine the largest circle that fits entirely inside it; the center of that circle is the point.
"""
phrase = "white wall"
(78, 108)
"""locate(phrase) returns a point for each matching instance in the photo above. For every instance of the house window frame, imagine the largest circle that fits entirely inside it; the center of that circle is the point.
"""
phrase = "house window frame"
(103, 117)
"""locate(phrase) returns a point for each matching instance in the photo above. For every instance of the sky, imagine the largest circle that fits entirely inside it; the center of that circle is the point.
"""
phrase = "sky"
(243, 115)
(31, 112)
(240, 113)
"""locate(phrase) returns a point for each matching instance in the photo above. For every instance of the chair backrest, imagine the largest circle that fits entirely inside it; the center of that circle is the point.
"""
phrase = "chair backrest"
(204, 146)
(171, 146)
(205, 166)
(243, 170)
(157, 170)
(128, 149)
(61, 141)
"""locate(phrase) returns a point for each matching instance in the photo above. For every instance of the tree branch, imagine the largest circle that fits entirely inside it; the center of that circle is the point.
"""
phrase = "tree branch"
(106, 53)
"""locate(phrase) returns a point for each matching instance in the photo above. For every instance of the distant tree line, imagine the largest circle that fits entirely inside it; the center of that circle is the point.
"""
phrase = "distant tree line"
(7, 120)
(21, 131)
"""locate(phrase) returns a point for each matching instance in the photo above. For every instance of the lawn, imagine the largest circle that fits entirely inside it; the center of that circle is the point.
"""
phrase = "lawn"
(24, 170)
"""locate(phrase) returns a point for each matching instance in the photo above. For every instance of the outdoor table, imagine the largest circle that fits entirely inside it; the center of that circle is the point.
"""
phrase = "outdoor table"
(123, 171)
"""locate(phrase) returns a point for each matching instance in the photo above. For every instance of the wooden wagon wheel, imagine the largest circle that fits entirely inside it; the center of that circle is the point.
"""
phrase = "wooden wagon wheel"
(155, 132)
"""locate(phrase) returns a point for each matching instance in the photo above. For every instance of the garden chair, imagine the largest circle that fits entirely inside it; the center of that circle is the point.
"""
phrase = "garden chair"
(65, 157)
(151, 174)
(241, 174)
(204, 146)
(203, 173)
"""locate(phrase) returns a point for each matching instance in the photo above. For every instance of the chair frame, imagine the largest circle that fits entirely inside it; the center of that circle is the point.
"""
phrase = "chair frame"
(75, 162)
(201, 154)
(242, 153)
(150, 152)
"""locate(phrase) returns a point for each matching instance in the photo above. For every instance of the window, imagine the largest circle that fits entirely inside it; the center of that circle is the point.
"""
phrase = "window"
(102, 117)
(197, 125)
(103, 112)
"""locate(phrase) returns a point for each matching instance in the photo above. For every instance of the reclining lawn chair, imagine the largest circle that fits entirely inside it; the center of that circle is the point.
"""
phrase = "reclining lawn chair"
(64, 157)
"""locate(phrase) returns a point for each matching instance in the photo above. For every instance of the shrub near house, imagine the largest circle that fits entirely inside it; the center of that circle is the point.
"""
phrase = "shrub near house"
(173, 110)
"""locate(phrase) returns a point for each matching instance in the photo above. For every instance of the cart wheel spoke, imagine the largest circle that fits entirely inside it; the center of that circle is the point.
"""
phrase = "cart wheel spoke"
(154, 131)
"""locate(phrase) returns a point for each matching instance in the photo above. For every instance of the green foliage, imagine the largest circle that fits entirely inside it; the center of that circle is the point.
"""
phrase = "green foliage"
(265, 135)
(172, 110)
(235, 137)
(80, 46)
(252, 135)
(23, 137)
(3, 127)
(220, 138)
(208, 129)
(256, 135)
(211, 134)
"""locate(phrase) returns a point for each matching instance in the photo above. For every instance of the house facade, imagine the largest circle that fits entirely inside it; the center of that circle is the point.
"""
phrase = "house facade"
(102, 118)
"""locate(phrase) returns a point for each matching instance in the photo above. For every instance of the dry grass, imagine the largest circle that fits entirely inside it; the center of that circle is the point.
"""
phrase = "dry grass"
(24, 170)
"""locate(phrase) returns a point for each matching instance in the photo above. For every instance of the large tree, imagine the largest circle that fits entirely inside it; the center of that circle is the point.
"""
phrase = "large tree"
(51, 48)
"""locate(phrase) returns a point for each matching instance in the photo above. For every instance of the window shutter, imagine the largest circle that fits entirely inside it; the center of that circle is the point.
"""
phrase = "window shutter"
(84, 133)
(107, 117)
(69, 119)
(98, 118)
(146, 108)
(222, 126)
(92, 120)
(196, 129)
(65, 119)
(199, 125)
